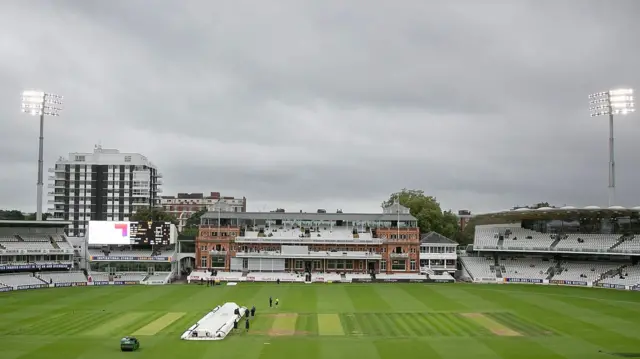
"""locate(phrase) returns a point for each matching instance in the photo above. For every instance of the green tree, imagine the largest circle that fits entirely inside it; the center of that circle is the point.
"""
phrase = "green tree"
(191, 227)
(466, 236)
(32, 216)
(11, 215)
(427, 211)
(194, 220)
(153, 214)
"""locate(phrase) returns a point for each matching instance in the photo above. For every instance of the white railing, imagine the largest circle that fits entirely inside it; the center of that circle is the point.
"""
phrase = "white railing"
(311, 254)
(307, 240)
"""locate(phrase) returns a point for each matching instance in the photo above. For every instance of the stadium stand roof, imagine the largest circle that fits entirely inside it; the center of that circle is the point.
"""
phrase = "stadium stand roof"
(436, 238)
(32, 224)
(311, 216)
(561, 212)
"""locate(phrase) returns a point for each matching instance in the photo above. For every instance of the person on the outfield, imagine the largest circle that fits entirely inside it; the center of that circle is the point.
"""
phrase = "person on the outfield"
(270, 302)
(246, 325)
(253, 311)
(277, 300)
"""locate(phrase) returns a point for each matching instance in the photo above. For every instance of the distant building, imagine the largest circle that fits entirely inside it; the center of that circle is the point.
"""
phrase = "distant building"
(103, 185)
(464, 216)
(183, 205)
(387, 242)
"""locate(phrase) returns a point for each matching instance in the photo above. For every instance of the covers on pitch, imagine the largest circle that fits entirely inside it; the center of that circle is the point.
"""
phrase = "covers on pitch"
(216, 324)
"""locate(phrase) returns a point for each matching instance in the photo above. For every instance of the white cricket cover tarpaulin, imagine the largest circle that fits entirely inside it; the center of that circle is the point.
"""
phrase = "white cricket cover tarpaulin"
(216, 324)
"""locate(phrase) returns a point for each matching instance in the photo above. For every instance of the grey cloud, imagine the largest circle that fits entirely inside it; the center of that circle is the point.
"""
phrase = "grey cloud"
(329, 103)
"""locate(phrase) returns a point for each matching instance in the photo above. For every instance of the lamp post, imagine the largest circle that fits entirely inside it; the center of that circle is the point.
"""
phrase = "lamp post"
(39, 103)
(610, 103)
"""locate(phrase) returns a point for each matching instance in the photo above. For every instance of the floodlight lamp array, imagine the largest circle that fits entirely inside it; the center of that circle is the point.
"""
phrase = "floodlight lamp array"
(39, 103)
(614, 102)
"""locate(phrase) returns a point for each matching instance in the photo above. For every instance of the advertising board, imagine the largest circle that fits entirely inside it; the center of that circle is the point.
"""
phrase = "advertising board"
(568, 282)
(524, 280)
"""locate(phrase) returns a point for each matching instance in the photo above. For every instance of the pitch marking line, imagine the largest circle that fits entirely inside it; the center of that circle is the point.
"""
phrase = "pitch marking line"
(329, 324)
(157, 325)
(117, 322)
(284, 324)
(493, 326)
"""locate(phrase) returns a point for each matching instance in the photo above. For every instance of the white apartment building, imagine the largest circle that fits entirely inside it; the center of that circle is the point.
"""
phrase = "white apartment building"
(103, 185)
(184, 205)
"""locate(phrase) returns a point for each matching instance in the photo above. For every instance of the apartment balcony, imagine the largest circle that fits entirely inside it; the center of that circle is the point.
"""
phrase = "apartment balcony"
(218, 253)
(55, 201)
(51, 185)
(55, 210)
(398, 255)
(159, 175)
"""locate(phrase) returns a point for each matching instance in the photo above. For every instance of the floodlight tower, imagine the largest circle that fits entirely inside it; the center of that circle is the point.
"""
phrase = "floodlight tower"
(39, 103)
(610, 103)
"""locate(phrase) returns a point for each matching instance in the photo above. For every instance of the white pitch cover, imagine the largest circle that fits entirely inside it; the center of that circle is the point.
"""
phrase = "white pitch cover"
(217, 324)
(109, 232)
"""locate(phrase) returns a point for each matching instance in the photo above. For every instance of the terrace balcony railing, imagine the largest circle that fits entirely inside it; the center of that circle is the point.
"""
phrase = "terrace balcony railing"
(311, 255)
(307, 240)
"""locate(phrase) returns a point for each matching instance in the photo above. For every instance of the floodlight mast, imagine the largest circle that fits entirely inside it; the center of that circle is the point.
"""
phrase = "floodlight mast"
(39, 103)
(610, 103)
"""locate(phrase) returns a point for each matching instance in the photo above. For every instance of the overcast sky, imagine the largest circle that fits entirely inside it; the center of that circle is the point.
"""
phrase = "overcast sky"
(329, 104)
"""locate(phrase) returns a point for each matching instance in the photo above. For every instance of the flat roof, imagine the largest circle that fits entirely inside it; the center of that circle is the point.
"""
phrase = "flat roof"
(311, 216)
(50, 224)
(560, 213)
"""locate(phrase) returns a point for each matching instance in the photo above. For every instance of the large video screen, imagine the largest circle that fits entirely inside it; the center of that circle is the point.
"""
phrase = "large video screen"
(108, 232)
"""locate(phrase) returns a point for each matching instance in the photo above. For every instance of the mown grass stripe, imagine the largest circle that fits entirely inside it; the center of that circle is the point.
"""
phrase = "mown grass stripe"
(307, 324)
(116, 323)
(456, 329)
(520, 324)
(329, 324)
(427, 325)
(368, 324)
(513, 322)
(24, 327)
(159, 324)
(409, 321)
(441, 330)
(349, 324)
(11, 325)
(395, 321)
(473, 329)
(463, 327)
(387, 325)
(182, 324)
(285, 323)
(445, 319)
(73, 324)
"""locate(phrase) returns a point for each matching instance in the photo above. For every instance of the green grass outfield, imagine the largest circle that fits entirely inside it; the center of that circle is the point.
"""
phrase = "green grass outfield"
(328, 321)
